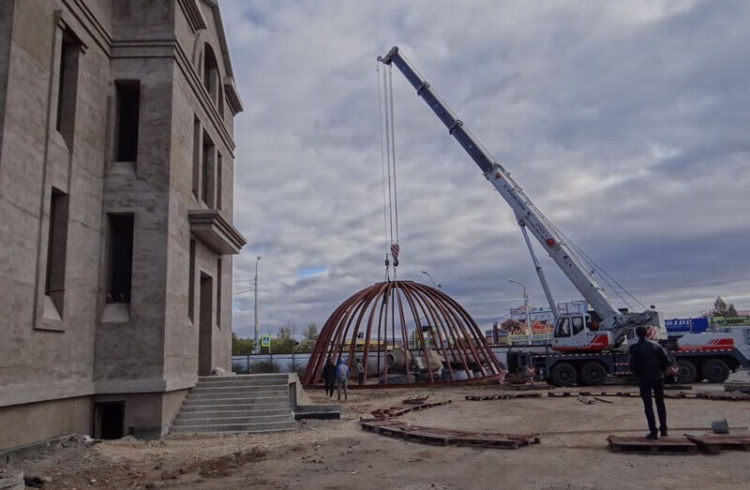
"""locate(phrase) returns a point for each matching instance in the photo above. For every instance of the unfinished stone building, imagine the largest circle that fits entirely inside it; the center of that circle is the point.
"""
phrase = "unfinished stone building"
(116, 235)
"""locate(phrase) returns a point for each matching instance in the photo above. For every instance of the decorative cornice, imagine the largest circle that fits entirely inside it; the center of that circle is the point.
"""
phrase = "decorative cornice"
(223, 41)
(232, 96)
(204, 99)
(90, 23)
(216, 232)
(193, 14)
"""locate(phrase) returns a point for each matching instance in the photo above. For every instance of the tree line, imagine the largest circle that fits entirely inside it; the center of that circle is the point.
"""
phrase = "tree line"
(283, 343)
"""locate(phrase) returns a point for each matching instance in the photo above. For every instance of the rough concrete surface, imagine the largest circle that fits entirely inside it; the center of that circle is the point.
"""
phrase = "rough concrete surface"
(338, 454)
(68, 74)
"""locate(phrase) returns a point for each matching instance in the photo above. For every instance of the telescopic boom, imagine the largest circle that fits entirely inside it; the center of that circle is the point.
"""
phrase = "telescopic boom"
(526, 213)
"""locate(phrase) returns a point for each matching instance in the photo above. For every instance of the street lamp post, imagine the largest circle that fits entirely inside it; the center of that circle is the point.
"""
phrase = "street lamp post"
(255, 282)
(434, 282)
(526, 308)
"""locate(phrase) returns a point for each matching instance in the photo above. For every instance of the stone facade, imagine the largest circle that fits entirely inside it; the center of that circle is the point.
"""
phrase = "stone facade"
(116, 236)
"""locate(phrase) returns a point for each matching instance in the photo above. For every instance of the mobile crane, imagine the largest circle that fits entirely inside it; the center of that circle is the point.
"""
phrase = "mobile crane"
(586, 346)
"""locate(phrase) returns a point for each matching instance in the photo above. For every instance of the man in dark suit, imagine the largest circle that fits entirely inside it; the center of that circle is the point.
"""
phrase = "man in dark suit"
(648, 361)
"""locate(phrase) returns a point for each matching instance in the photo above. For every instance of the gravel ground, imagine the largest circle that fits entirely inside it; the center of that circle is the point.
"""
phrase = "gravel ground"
(339, 455)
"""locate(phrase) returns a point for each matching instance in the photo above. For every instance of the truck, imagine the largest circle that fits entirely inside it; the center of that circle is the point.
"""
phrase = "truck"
(586, 346)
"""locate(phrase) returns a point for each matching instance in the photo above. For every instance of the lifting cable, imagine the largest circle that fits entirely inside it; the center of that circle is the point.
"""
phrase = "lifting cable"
(608, 279)
(382, 168)
(388, 158)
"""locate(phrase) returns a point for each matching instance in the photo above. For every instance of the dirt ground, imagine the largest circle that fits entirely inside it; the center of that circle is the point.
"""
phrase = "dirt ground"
(337, 454)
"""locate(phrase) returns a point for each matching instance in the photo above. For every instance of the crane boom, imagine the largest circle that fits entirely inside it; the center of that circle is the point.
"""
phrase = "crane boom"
(526, 212)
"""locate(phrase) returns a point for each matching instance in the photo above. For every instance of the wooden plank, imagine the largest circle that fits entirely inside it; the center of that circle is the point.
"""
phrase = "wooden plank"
(417, 400)
(485, 441)
(667, 445)
(723, 396)
(714, 443)
(503, 396)
(440, 436)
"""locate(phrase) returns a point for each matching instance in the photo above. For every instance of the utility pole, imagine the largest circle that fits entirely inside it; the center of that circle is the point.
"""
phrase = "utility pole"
(255, 326)
(526, 308)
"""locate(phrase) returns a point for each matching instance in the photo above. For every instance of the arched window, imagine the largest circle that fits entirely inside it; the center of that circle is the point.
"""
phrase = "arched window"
(211, 73)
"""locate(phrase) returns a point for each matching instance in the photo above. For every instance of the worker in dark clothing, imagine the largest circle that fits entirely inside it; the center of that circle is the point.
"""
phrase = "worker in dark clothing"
(360, 370)
(648, 361)
(329, 376)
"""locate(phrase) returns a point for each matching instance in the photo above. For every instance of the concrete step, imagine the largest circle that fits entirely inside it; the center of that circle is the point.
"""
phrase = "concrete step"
(272, 427)
(231, 413)
(224, 408)
(234, 400)
(265, 419)
(248, 403)
(257, 379)
(240, 389)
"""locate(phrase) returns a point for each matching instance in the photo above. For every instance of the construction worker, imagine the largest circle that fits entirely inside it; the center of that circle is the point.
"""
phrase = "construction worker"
(648, 362)
(342, 379)
(329, 376)
(360, 370)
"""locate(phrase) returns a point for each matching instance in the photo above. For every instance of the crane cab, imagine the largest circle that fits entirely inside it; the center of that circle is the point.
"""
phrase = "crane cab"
(579, 332)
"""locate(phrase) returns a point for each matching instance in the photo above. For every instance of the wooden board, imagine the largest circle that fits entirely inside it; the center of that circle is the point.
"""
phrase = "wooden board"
(667, 445)
(714, 443)
(725, 396)
(480, 440)
(502, 396)
(442, 437)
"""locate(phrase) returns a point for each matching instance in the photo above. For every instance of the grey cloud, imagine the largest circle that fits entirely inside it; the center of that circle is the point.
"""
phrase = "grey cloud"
(625, 122)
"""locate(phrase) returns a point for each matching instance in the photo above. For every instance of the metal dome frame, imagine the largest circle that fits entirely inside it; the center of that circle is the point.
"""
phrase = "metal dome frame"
(445, 346)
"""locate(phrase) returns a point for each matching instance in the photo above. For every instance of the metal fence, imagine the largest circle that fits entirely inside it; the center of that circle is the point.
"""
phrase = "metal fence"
(296, 363)
(270, 363)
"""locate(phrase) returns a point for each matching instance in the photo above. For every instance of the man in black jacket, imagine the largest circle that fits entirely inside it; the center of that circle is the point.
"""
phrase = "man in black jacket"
(329, 376)
(648, 361)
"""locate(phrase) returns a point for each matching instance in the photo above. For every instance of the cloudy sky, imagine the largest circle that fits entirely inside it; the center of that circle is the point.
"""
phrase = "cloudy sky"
(627, 123)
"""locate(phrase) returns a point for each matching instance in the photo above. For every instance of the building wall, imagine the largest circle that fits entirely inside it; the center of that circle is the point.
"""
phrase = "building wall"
(38, 422)
(6, 14)
(45, 358)
(191, 102)
(65, 348)
(132, 346)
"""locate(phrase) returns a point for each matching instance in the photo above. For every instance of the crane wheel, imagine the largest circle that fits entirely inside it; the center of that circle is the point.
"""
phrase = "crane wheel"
(593, 373)
(715, 370)
(563, 374)
(686, 372)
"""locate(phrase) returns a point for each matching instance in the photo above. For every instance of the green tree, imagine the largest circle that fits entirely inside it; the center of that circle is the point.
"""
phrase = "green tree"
(242, 346)
(309, 338)
(283, 343)
(722, 308)
(311, 333)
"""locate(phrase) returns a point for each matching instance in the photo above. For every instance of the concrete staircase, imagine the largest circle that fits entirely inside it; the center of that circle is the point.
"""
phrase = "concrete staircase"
(246, 403)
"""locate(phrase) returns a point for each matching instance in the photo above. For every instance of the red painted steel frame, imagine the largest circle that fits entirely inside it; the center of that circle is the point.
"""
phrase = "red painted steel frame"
(394, 308)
